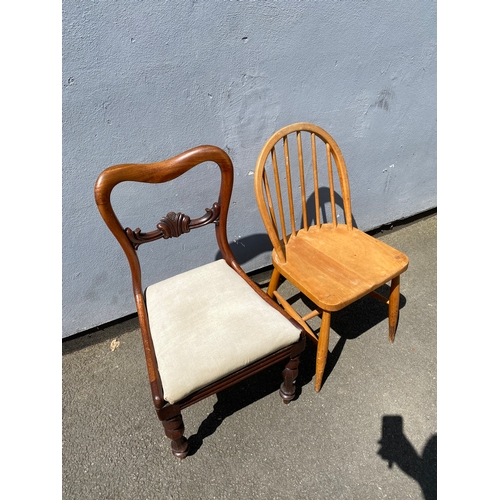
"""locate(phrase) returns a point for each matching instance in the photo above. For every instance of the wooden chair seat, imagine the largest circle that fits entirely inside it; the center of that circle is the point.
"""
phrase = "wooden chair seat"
(335, 266)
(203, 327)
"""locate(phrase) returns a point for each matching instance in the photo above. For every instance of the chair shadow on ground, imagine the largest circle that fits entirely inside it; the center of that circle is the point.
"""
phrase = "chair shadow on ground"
(397, 449)
(237, 397)
(349, 323)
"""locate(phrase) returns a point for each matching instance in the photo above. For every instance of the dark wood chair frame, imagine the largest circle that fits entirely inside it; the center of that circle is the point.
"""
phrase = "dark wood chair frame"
(174, 225)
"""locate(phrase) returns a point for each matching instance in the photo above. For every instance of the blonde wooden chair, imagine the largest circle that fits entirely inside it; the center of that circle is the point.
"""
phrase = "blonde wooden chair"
(331, 263)
(207, 328)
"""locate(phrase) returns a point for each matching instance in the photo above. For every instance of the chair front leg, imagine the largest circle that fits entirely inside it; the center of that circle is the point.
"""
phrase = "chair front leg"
(393, 307)
(322, 352)
(174, 429)
(287, 389)
(273, 283)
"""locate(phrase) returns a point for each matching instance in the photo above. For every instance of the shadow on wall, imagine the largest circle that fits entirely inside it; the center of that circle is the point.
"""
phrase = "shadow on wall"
(397, 449)
(324, 201)
(245, 249)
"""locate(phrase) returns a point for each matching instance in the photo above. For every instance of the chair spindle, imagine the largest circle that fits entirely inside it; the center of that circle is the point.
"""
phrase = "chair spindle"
(302, 182)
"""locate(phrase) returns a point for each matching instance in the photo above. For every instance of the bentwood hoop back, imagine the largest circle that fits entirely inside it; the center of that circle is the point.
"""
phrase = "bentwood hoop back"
(207, 328)
(297, 175)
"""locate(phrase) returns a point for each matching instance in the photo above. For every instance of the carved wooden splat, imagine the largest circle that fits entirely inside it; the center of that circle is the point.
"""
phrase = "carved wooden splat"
(173, 225)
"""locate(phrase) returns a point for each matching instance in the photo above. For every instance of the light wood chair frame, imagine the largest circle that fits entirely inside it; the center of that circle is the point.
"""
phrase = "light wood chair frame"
(273, 210)
(173, 225)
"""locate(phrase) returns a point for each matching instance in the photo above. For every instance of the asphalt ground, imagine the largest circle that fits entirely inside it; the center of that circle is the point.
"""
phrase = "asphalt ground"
(371, 433)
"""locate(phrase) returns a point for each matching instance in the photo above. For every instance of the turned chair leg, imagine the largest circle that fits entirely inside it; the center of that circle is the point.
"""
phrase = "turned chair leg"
(273, 283)
(174, 429)
(322, 352)
(393, 308)
(287, 389)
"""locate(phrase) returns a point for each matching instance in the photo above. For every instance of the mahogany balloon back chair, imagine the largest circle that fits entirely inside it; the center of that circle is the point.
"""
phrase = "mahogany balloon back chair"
(331, 263)
(207, 328)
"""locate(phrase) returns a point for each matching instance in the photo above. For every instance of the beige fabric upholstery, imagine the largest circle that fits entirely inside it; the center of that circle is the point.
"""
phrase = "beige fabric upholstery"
(207, 323)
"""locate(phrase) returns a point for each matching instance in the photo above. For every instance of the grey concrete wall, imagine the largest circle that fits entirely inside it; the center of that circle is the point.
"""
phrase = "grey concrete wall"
(146, 80)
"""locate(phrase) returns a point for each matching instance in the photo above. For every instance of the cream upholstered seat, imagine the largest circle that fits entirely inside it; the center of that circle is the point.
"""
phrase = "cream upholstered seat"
(203, 327)
(209, 328)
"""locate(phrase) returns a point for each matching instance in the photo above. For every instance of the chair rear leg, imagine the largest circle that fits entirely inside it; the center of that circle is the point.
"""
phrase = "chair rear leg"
(322, 352)
(393, 307)
(287, 389)
(174, 429)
